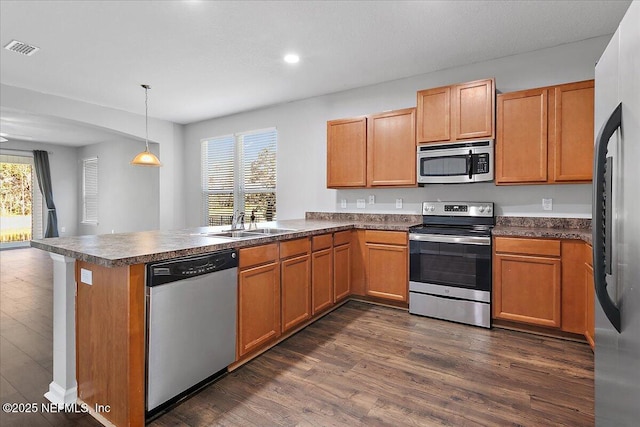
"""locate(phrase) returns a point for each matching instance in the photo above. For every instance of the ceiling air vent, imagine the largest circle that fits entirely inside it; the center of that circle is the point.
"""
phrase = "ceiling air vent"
(22, 48)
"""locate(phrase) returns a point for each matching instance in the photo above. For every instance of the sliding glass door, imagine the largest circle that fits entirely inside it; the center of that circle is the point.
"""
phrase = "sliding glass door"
(20, 202)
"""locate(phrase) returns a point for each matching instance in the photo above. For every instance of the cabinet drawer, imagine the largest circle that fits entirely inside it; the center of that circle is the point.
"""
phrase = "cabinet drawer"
(341, 237)
(527, 246)
(324, 241)
(294, 247)
(588, 256)
(389, 237)
(258, 255)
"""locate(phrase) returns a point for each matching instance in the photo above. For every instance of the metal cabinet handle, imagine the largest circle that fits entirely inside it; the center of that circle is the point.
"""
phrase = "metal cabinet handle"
(601, 257)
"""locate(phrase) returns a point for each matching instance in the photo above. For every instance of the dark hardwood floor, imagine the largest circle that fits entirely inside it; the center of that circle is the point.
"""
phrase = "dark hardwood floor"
(359, 365)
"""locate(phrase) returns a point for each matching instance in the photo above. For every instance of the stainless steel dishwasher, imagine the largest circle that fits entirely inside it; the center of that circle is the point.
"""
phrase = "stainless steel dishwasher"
(191, 324)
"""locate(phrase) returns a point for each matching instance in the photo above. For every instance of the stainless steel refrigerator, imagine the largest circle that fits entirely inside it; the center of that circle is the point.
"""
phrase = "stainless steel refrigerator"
(616, 227)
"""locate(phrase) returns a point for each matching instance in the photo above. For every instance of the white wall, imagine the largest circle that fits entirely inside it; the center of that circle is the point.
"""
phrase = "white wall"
(167, 134)
(62, 162)
(127, 195)
(301, 180)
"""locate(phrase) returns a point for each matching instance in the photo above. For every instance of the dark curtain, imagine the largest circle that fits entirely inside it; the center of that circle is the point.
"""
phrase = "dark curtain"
(41, 161)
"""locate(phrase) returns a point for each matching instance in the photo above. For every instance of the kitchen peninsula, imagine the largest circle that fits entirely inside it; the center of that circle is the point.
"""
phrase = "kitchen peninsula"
(101, 320)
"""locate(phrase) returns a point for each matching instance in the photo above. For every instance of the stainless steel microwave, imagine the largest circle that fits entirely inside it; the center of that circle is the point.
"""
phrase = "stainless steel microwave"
(456, 162)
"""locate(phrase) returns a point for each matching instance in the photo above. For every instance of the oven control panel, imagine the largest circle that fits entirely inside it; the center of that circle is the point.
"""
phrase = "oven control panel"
(473, 209)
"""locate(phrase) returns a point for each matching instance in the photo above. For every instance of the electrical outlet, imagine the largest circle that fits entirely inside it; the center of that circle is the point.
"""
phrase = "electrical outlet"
(372, 199)
(86, 276)
(63, 229)
(343, 203)
(398, 203)
(360, 203)
(547, 204)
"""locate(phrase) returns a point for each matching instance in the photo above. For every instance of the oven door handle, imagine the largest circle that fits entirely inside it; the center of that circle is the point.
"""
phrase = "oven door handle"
(440, 238)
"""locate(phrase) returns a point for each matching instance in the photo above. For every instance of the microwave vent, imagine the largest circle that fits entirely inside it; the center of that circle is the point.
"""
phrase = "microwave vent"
(21, 48)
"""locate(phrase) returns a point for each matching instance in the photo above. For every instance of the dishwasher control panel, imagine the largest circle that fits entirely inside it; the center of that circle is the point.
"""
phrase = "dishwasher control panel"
(177, 269)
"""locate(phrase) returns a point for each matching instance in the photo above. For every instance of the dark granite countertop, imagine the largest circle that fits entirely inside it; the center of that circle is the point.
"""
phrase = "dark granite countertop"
(114, 250)
(551, 228)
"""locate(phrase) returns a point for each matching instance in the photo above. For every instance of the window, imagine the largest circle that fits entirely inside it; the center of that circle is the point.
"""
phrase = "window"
(239, 175)
(90, 191)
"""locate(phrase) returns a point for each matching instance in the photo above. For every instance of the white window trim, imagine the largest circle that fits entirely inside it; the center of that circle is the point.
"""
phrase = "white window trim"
(238, 190)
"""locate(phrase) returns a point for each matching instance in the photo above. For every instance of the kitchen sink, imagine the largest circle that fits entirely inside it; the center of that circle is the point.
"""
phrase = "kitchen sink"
(247, 234)
(272, 230)
(240, 234)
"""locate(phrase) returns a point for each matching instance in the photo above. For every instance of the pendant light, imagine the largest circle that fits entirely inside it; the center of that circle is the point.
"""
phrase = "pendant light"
(146, 158)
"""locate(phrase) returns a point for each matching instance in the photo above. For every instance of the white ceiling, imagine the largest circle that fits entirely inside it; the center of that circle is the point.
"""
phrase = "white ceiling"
(207, 59)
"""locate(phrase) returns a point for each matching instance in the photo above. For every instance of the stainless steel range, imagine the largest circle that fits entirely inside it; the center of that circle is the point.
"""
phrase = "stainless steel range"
(450, 262)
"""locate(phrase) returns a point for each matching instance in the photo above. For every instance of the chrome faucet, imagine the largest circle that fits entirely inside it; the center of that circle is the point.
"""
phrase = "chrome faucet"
(238, 217)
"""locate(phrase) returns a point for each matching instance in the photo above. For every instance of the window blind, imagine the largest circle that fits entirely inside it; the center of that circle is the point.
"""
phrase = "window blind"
(90, 190)
(239, 175)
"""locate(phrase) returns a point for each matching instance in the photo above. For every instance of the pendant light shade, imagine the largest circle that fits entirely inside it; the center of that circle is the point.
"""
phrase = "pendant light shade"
(146, 158)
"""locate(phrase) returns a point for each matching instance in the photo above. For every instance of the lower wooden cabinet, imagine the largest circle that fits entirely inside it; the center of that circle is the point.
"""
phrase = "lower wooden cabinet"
(386, 265)
(295, 282)
(544, 282)
(590, 323)
(527, 281)
(258, 300)
(574, 291)
(321, 272)
(342, 265)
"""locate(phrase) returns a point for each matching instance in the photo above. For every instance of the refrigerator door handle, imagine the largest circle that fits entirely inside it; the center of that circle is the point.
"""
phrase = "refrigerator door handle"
(601, 217)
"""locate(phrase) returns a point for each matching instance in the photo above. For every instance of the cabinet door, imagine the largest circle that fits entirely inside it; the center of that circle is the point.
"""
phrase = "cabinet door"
(573, 290)
(258, 307)
(590, 330)
(527, 289)
(341, 272)
(322, 279)
(473, 110)
(386, 267)
(391, 148)
(571, 132)
(521, 143)
(347, 153)
(295, 282)
(434, 115)
(590, 322)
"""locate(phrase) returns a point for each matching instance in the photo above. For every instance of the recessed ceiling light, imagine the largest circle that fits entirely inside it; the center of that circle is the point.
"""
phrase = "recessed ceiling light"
(291, 58)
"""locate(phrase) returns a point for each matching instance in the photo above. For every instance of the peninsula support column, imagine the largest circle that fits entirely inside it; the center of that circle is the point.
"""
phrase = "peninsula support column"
(64, 388)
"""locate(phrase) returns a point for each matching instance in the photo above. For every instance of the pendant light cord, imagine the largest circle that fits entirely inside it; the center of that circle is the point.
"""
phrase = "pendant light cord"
(146, 115)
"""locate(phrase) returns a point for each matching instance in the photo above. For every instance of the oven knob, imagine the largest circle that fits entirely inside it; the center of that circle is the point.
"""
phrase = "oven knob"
(488, 209)
(432, 208)
(481, 209)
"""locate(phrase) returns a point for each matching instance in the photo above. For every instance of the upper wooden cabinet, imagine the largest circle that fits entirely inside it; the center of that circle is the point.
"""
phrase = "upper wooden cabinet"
(545, 135)
(571, 132)
(374, 151)
(521, 146)
(391, 148)
(347, 153)
(458, 112)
